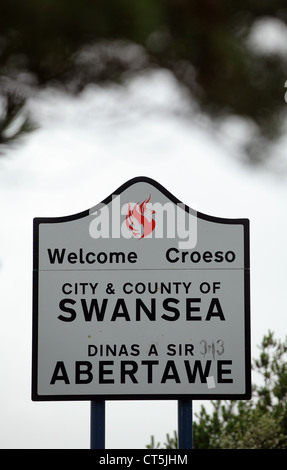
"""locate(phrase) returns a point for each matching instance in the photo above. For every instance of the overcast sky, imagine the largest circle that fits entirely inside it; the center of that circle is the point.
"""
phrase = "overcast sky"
(86, 148)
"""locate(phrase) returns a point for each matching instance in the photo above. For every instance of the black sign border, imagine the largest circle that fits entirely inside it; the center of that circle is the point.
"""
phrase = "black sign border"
(140, 179)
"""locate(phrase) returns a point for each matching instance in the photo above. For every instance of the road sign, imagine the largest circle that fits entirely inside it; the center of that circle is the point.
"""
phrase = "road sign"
(141, 297)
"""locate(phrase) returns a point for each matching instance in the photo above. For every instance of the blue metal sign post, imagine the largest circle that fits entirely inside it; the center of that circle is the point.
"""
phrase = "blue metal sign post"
(185, 424)
(98, 408)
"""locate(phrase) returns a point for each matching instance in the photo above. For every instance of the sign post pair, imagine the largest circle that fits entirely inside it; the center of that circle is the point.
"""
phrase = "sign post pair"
(141, 297)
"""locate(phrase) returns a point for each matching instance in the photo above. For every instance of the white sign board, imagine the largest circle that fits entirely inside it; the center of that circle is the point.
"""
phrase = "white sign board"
(141, 297)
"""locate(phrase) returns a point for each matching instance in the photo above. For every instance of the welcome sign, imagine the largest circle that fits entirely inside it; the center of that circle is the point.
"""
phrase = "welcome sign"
(141, 297)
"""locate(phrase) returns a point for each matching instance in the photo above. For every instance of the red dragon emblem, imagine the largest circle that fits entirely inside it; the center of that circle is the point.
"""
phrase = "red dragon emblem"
(140, 219)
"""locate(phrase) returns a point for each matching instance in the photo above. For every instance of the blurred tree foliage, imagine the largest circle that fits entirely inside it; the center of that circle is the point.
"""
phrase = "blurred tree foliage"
(204, 43)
